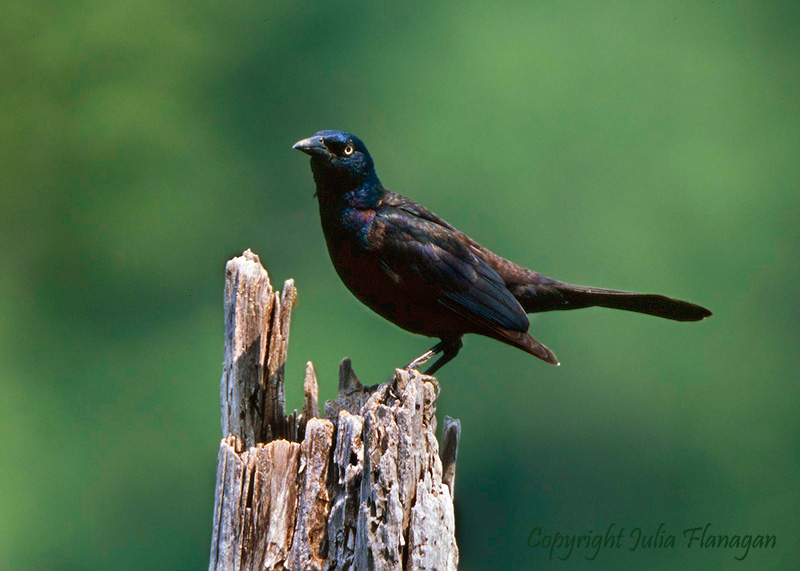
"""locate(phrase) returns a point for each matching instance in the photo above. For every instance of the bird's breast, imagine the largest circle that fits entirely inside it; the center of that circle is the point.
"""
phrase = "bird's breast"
(347, 225)
(359, 223)
(354, 251)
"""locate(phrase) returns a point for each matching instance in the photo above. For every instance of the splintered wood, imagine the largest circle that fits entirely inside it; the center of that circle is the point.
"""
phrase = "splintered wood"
(361, 489)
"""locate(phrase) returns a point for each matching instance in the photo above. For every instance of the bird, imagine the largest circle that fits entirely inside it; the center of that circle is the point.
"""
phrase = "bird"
(418, 271)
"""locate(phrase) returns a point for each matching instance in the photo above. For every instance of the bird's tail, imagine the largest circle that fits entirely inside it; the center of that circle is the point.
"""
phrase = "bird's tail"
(552, 295)
(523, 340)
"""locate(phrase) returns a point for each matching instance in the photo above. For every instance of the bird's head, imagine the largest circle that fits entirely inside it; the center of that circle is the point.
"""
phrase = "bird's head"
(338, 159)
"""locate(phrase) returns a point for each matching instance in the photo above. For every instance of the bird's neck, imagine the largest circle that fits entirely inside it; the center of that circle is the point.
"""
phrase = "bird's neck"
(362, 195)
(366, 197)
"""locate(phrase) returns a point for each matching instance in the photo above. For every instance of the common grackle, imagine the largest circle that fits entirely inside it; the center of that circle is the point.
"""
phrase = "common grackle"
(419, 272)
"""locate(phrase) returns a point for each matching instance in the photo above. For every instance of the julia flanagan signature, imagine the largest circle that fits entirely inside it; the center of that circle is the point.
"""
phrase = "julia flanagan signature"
(562, 545)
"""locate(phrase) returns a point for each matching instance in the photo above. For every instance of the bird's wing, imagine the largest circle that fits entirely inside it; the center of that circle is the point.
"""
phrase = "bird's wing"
(421, 249)
(510, 272)
(407, 205)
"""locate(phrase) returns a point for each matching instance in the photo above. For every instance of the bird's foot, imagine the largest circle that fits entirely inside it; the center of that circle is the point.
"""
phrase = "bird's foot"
(449, 348)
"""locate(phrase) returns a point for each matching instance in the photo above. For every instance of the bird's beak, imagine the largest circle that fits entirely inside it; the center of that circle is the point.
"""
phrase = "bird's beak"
(313, 146)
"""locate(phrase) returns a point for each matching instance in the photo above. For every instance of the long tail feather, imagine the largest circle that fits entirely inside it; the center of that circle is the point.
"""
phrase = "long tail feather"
(559, 295)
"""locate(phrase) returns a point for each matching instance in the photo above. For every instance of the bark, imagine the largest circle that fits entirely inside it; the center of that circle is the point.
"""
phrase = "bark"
(363, 488)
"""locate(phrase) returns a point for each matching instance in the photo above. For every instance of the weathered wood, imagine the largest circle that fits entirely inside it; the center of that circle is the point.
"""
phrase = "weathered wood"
(314, 505)
(399, 450)
(431, 531)
(363, 489)
(279, 493)
(352, 394)
(275, 398)
(348, 464)
(451, 435)
(311, 393)
(248, 313)
(226, 540)
(255, 500)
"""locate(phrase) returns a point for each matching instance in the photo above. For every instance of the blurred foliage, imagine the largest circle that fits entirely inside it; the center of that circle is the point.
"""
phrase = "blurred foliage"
(643, 145)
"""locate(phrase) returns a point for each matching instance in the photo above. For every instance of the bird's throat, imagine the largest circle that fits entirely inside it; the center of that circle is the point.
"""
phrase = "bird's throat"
(338, 192)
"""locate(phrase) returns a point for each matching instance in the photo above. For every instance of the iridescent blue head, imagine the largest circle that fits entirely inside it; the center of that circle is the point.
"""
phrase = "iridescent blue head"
(340, 161)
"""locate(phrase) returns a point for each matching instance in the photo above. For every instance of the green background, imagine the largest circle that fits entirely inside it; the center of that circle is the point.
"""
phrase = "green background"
(650, 146)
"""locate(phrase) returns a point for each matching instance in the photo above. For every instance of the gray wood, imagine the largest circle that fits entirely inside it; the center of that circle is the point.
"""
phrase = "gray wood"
(363, 488)
(274, 401)
(311, 393)
(348, 464)
(449, 453)
(249, 301)
(352, 394)
(314, 500)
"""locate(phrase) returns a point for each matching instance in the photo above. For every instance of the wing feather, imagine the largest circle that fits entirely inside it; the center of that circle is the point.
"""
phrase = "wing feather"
(419, 245)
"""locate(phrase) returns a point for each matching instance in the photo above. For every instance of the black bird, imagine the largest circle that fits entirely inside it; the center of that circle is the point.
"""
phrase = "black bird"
(421, 273)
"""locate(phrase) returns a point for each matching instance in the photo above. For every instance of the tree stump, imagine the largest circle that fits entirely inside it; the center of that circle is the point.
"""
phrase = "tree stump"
(363, 488)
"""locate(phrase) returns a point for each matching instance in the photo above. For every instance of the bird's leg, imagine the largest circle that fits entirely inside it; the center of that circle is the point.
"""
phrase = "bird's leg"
(448, 347)
(451, 348)
(426, 356)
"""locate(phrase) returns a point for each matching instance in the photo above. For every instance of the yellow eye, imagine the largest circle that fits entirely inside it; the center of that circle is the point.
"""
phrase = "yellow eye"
(348, 150)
